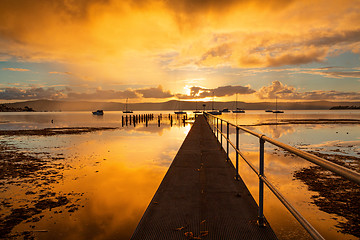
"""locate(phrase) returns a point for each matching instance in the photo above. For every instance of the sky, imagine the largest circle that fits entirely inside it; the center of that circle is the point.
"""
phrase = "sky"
(154, 51)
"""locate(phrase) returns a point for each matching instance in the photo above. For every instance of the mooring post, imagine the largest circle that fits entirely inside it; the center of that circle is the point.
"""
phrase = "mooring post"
(261, 220)
(227, 141)
(237, 176)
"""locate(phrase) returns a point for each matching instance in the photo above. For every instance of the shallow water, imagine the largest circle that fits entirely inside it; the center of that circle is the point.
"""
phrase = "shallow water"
(110, 176)
(339, 139)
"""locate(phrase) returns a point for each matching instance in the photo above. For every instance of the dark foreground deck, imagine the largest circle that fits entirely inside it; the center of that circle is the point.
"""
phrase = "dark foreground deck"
(199, 197)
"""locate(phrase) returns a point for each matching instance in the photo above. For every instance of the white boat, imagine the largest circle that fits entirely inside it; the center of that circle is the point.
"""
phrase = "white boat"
(277, 111)
(98, 112)
(225, 110)
(215, 112)
(126, 110)
(238, 110)
(179, 111)
(197, 111)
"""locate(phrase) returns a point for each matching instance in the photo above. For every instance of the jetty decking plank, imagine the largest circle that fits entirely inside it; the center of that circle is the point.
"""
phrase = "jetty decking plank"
(199, 195)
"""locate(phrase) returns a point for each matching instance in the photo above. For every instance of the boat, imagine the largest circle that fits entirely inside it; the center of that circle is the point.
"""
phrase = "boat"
(126, 110)
(277, 111)
(269, 110)
(238, 110)
(196, 111)
(215, 112)
(225, 110)
(179, 111)
(98, 112)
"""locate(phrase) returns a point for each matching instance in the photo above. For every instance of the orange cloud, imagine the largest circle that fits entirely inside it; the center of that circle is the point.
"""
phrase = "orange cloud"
(125, 41)
(284, 92)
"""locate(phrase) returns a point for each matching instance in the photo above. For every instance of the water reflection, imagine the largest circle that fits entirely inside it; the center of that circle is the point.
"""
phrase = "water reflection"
(81, 186)
(280, 167)
(109, 176)
(41, 120)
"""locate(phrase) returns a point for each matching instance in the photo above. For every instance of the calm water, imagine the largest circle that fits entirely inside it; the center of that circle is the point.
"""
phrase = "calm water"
(110, 176)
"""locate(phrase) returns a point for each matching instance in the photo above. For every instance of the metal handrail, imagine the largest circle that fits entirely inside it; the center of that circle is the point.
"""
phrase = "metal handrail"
(333, 167)
(340, 170)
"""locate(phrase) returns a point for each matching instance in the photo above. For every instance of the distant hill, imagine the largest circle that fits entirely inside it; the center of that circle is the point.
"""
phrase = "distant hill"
(52, 105)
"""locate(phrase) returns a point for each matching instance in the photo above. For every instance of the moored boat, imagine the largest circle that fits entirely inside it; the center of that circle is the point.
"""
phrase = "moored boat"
(214, 112)
(238, 110)
(225, 110)
(126, 108)
(98, 112)
(180, 112)
(278, 111)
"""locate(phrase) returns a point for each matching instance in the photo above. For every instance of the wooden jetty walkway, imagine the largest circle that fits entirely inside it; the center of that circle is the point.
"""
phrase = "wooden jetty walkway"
(199, 197)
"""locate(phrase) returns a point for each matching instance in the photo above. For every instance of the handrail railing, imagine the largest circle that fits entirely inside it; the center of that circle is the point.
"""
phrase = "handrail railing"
(340, 170)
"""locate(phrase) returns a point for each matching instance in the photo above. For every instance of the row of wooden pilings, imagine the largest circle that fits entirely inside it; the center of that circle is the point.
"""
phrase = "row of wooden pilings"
(135, 119)
(145, 118)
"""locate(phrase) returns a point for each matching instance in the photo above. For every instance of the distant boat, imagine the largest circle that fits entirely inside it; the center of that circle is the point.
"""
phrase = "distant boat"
(215, 112)
(277, 111)
(179, 111)
(269, 111)
(225, 110)
(196, 111)
(98, 113)
(238, 110)
(126, 110)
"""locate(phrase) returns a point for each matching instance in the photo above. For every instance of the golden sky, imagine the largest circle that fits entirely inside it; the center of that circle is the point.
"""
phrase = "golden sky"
(299, 49)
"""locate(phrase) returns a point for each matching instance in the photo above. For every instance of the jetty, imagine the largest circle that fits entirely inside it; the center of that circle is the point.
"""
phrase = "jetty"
(200, 197)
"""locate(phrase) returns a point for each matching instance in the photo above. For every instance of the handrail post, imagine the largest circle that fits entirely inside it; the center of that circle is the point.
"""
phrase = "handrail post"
(221, 130)
(213, 124)
(237, 176)
(227, 142)
(261, 220)
(217, 129)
